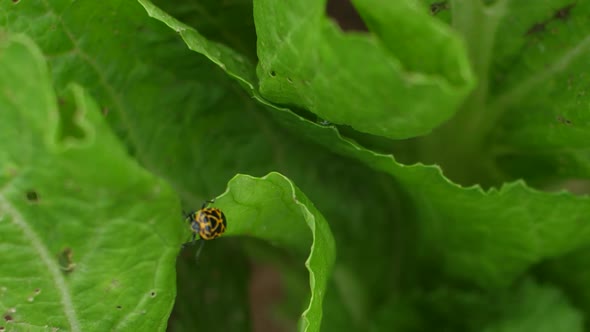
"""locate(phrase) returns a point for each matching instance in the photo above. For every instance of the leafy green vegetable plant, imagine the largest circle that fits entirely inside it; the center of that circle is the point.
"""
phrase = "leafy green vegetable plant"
(445, 150)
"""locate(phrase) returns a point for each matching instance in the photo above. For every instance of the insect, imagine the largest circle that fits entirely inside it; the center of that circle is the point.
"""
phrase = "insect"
(208, 223)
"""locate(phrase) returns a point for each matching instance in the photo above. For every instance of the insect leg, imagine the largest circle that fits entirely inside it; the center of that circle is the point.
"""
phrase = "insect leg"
(211, 201)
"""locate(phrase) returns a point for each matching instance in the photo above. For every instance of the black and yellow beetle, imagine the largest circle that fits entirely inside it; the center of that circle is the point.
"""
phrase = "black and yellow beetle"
(209, 223)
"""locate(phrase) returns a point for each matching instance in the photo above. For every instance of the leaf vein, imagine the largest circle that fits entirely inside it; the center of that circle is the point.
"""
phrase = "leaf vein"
(45, 256)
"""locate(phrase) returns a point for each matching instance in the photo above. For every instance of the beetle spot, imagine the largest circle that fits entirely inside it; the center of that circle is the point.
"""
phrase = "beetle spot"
(273, 73)
(153, 294)
(8, 318)
(32, 196)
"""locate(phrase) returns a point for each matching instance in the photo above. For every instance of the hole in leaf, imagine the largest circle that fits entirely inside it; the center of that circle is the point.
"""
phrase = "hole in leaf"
(32, 196)
(344, 13)
(69, 127)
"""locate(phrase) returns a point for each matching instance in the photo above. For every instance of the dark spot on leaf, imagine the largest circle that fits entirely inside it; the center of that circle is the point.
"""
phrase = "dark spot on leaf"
(563, 120)
(344, 13)
(289, 80)
(153, 294)
(8, 317)
(564, 13)
(32, 196)
(273, 73)
(2, 328)
(438, 7)
(119, 307)
(37, 291)
(536, 29)
(66, 260)
(15, 1)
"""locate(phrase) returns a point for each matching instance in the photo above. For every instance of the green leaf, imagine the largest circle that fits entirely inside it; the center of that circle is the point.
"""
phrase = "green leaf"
(398, 91)
(487, 237)
(536, 308)
(469, 233)
(235, 64)
(187, 130)
(446, 79)
(397, 227)
(273, 209)
(540, 87)
(229, 23)
(79, 219)
(526, 306)
(527, 116)
(572, 273)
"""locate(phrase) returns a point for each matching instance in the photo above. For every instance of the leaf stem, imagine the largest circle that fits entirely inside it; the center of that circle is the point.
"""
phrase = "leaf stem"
(458, 145)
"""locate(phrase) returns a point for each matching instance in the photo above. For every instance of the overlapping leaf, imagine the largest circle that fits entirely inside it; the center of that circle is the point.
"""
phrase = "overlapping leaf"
(77, 240)
(398, 90)
(484, 237)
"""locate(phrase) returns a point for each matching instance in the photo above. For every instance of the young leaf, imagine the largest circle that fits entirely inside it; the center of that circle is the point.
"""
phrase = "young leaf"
(395, 91)
(528, 111)
(536, 308)
(87, 238)
(273, 209)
